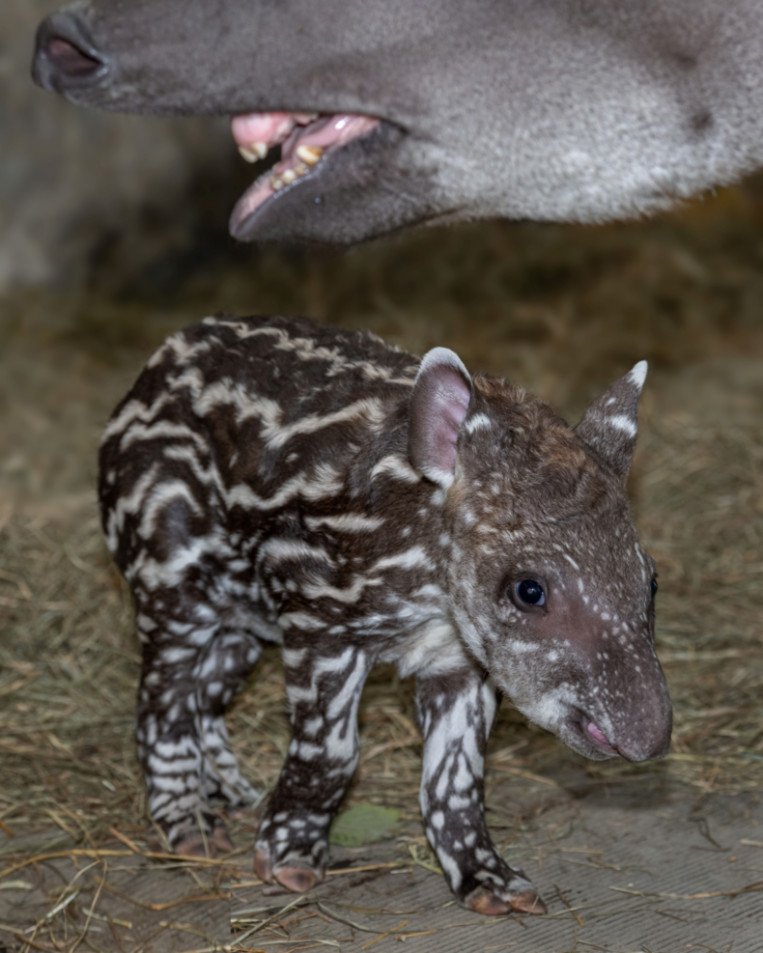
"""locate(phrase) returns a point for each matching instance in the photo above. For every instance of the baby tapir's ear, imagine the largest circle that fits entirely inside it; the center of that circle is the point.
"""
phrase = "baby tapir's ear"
(439, 403)
(609, 426)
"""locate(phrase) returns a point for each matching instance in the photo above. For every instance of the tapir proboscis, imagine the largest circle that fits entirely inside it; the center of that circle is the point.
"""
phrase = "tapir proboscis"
(390, 113)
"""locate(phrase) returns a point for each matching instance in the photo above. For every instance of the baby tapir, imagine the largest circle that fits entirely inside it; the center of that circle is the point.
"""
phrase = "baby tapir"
(270, 480)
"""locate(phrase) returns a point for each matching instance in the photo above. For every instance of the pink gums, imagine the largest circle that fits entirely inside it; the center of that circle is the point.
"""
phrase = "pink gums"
(290, 131)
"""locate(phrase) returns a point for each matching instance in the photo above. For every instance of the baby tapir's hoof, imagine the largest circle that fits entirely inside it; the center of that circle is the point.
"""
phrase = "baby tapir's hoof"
(296, 876)
(494, 900)
(196, 844)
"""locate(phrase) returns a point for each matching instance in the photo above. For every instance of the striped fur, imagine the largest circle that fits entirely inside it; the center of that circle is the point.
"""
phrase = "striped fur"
(268, 480)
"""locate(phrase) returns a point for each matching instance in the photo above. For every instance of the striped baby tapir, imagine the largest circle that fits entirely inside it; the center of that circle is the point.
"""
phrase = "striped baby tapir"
(270, 480)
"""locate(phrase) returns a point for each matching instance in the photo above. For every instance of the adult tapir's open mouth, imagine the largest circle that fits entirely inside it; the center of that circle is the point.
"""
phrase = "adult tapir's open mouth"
(308, 142)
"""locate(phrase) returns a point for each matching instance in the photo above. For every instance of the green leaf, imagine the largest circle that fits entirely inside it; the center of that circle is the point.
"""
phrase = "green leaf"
(363, 824)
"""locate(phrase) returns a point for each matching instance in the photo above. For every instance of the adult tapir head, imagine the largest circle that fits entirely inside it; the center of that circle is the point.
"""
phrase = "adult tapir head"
(395, 112)
(549, 585)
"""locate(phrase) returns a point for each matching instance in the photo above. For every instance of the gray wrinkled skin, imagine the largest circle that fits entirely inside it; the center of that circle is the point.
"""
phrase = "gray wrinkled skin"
(564, 110)
(268, 480)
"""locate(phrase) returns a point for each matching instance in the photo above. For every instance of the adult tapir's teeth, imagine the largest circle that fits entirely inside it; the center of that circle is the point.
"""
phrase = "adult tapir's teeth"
(287, 176)
(305, 140)
(310, 155)
(254, 151)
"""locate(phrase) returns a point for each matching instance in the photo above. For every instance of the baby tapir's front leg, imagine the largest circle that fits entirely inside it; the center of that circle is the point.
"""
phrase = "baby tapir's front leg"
(456, 713)
(324, 681)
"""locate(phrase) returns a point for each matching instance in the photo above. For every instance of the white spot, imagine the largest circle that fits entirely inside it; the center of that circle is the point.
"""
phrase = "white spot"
(637, 375)
(309, 752)
(621, 422)
(312, 726)
(458, 803)
(522, 648)
(450, 868)
(293, 658)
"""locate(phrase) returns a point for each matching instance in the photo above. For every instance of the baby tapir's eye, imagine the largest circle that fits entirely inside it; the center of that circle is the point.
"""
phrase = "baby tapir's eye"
(529, 592)
(654, 586)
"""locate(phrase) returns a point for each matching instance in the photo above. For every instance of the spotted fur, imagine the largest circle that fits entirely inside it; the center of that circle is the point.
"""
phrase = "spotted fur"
(268, 480)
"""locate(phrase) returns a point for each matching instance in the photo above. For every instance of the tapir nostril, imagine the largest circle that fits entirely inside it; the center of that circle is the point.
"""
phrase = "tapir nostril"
(65, 57)
(69, 59)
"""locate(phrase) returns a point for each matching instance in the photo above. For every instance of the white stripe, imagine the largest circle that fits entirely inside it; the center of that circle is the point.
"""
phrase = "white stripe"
(307, 349)
(370, 409)
(178, 346)
(415, 556)
(164, 428)
(346, 522)
(134, 410)
(394, 465)
(478, 422)
(323, 482)
(300, 620)
(277, 549)
(348, 595)
(160, 496)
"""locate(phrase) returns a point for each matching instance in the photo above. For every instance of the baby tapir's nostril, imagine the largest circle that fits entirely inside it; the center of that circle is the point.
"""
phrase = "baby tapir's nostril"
(64, 56)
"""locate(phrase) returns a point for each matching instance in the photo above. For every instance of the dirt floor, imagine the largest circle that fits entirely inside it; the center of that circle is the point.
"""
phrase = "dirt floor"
(658, 858)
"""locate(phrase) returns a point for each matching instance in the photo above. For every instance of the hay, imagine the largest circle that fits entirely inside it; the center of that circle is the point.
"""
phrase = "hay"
(562, 311)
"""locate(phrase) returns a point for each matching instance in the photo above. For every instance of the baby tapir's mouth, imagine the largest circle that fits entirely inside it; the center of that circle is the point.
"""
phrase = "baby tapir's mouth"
(596, 736)
(593, 736)
(307, 142)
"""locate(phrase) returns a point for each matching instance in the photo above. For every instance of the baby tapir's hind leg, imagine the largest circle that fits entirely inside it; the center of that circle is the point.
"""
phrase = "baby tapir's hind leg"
(456, 713)
(191, 670)
(323, 683)
(222, 671)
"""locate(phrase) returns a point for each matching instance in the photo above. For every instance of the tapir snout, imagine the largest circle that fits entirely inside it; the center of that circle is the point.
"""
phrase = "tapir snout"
(622, 701)
(642, 730)
(436, 110)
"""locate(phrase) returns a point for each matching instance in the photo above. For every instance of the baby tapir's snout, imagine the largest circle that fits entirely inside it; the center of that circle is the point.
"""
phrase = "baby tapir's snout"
(623, 701)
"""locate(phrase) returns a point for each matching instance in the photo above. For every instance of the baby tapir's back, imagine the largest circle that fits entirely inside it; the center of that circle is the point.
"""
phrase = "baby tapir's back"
(267, 386)
(241, 431)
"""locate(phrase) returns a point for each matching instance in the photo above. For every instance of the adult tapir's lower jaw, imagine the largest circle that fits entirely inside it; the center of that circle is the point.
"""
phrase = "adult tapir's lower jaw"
(309, 143)
(325, 188)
